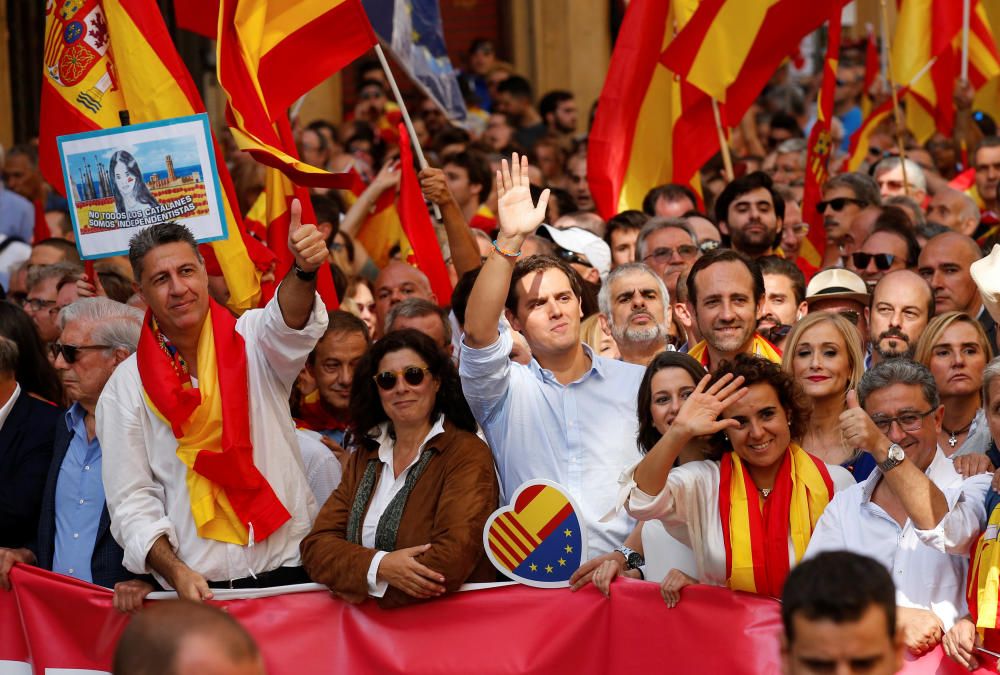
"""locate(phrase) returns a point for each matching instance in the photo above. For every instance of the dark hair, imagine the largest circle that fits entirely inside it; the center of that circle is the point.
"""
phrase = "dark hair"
(366, 406)
(371, 82)
(478, 169)
(550, 102)
(565, 203)
(450, 135)
(837, 586)
(366, 66)
(67, 248)
(327, 210)
(987, 142)
(721, 255)
(626, 220)
(757, 370)
(889, 221)
(116, 285)
(782, 120)
(672, 192)
(35, 373)
(772, 264)
(516, 86)
(141, 190)
(743, 185)
(342, 322)
(648, 435)
(460, 295)
(153, 236)
(539, 263)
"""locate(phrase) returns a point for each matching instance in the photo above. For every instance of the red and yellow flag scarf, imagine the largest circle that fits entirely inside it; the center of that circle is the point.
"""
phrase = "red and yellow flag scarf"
(229, 495)
(312, 415)
(756, 530)
(983, 587)
(759, 347)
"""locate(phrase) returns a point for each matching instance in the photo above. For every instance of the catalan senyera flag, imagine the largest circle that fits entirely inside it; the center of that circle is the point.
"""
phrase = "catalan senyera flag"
(729, 49)
(271, 52)
(106, 56)
(931, 31)
(820, 149)
(642, 106)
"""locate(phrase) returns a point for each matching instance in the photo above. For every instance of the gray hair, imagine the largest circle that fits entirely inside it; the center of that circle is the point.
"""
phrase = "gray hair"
(862, 185)
(114, 324)
(8, 356)
(144, 241)
(909, 204)
(914, 173)
(413, 308)
(604, 295)
(62, 270)
(794, 145)
(898, 371)
(991, 373)
(657, 224)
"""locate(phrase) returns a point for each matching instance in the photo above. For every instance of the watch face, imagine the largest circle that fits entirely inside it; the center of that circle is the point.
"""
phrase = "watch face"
(634, 560)
(896, 453)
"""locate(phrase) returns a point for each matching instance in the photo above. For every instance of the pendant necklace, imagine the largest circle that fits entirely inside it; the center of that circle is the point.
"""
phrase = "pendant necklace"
(953, 435)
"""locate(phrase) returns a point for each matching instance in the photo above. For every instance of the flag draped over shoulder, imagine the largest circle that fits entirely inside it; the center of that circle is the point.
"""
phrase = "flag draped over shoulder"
(105, 56)
(820, 148)
(930, 32)
(642, 106)
(271, 52)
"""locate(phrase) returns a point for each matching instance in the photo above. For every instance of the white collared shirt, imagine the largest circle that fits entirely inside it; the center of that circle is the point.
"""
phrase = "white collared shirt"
(9, 405)
(928, 566)
(386, 489)
(146, 483)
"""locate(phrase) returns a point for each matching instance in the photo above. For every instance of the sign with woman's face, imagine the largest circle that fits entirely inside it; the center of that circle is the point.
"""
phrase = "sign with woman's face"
(122, 180)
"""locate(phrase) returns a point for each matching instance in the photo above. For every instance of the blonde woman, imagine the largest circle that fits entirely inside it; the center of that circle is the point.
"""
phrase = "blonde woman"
(823, 353)
(954, 347)
(602, 343)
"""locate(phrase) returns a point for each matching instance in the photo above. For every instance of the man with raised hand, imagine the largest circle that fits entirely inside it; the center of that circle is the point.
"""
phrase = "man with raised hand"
(203, 477)
(549, 418)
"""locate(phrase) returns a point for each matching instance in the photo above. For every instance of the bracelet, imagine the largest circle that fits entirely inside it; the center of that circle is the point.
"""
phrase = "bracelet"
(505, 253)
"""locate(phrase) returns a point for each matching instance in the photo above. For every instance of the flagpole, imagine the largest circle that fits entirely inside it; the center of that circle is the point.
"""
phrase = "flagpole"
(421, 160)
(895, 97)
(965, 39)
(727, 160)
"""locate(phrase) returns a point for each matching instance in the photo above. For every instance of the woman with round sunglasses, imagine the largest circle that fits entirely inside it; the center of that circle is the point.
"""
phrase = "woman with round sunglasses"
(406, 522)
(748, 512)
(954, 347)
(824, 355)
(669, 380)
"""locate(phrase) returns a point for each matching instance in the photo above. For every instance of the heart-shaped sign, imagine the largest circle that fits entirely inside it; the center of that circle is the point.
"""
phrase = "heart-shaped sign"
(539, 540)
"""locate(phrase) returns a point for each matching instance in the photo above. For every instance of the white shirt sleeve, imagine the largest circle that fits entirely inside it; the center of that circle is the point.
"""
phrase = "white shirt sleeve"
(829, 532)
(376, 588)
(323, 469)
(965, 520)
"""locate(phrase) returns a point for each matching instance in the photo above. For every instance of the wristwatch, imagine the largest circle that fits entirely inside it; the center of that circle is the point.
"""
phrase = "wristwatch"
(302, 274)
(895, 458)
(633, 559)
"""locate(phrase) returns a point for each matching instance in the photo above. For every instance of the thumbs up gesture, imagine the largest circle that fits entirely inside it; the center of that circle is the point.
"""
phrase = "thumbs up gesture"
(305, 241)
(860, 432)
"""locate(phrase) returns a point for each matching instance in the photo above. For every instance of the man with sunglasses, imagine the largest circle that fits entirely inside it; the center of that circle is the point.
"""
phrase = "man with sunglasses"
(884, 250)
(914, 513)
(204, 479)
(843, 292)
(844, 197)
(669, 246)
(585, 252)
(550, 418)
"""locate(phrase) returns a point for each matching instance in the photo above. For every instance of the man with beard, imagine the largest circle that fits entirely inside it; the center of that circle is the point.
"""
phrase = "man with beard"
(725, 288)
(558, 111)
(635, 310)
(784, 298)
(750, 213)
(844, 197)
(902, 304)
(669, 247)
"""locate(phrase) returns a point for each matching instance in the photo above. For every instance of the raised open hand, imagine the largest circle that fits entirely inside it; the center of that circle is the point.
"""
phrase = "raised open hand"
(518, 217)
(699, 416)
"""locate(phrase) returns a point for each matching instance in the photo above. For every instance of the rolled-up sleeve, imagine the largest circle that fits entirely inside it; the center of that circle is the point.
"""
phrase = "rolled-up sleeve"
(284, 349)
(965, 520)
(135, 500)
(486, 374)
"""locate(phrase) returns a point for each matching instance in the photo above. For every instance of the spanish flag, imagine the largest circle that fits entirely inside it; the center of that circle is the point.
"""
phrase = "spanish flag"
(643, 105)
(820, 149)
(931, 31)
(872, 64)
(861, 140)
(271, 52)
(106, 56)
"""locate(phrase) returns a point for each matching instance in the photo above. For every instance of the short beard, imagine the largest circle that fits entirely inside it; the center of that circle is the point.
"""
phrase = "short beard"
(640, 336)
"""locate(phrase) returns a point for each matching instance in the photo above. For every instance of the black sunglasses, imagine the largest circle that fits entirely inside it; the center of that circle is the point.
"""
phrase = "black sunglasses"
(413, 375)
(850, 315)
(838, 204)
(71, 352)
(883, 261)
(572, 257)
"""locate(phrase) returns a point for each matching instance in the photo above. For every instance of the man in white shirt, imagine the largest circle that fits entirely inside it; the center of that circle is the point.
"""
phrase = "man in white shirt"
(569, 415)
(914, 514)
(197, 506)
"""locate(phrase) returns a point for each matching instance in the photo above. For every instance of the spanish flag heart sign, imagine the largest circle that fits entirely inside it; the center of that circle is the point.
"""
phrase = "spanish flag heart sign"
(538, 540)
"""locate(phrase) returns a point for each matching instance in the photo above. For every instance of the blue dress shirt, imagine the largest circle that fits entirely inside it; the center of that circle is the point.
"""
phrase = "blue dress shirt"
(17, 216)
(79, 500)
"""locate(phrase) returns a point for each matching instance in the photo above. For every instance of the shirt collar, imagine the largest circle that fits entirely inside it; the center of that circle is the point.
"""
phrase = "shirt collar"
(385, 441)
(597, 366)
(9, 405)
(75, 416)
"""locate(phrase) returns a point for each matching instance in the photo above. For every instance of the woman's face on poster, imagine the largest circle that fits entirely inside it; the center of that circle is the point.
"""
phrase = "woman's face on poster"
(124, 179)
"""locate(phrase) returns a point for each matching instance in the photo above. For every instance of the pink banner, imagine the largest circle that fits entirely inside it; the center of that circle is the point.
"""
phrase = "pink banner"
(55, 622)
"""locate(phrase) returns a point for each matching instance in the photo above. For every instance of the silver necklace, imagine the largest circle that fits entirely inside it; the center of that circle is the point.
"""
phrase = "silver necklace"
(764, 492)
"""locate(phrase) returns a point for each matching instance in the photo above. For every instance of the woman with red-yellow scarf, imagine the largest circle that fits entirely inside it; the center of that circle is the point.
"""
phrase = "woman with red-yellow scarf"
(749, 512)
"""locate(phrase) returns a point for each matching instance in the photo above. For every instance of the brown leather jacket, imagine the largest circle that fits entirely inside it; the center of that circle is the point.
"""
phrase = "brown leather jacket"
(447, 508)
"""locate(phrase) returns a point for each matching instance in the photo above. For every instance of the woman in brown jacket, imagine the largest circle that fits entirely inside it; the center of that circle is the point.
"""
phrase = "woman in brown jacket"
(406, 522)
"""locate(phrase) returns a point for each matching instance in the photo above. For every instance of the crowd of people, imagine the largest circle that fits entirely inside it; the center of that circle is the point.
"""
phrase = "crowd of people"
(722, 410)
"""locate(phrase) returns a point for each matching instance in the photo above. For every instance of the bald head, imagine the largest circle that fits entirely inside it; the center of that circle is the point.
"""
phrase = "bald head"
(901, 305)
(944, 264)
(395, 283)
(955, 210)
(180, 637)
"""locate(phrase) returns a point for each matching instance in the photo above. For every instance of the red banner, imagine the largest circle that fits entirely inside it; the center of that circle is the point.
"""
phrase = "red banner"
(63, 623)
